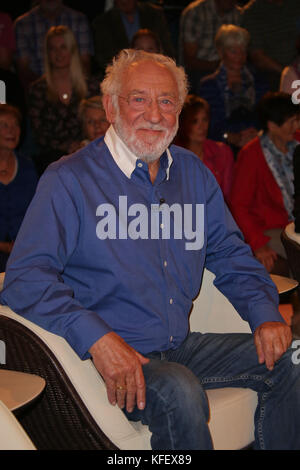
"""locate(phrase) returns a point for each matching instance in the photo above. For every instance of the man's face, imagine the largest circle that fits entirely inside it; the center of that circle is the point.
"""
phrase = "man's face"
(147, 131)
(126, 6)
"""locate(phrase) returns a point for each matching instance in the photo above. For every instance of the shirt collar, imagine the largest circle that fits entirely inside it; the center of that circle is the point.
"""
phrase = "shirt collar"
(122, 155)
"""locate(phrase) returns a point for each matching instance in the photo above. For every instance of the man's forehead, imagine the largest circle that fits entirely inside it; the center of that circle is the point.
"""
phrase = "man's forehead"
(147, 74)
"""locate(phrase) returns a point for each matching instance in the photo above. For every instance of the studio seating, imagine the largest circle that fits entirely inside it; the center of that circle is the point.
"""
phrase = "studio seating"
(73, 412)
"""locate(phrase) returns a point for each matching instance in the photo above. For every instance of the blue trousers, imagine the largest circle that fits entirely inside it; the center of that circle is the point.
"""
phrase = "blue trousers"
(176, 403)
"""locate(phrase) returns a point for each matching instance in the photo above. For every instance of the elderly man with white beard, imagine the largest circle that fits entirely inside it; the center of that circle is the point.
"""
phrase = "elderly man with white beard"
(111, 280)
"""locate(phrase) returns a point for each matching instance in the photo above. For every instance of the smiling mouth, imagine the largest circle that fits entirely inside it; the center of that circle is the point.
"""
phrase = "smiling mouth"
(147, 129)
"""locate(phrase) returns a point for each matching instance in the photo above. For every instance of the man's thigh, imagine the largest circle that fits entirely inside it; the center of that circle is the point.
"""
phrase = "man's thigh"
(220, 360)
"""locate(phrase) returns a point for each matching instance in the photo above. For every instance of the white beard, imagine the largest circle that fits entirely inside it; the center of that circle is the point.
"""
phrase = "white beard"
(146, 151)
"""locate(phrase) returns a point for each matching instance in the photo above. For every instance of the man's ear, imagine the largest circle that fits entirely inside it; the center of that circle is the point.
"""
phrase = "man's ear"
(109, 108)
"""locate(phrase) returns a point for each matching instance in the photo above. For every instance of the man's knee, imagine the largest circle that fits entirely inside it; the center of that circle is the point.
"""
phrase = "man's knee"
(172, 385)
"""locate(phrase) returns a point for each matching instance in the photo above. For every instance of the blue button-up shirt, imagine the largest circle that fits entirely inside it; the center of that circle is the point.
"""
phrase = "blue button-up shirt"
(93, 254)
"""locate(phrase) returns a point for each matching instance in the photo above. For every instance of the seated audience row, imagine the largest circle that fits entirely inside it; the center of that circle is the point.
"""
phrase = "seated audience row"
(262, 195)
(271, 24)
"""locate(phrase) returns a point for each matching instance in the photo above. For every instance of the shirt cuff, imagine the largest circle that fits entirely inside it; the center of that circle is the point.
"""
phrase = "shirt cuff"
(85, 331)
(261, 313)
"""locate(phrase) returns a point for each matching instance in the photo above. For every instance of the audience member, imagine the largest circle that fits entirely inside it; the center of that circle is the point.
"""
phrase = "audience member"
(199, 23)
(93, 120)
(273, 31)
(146, 40)
(114, 29)
(233, 90)
(18, 180)
(7, 41)
(262, 192)
(122, 296)
(296, 170)
(291, 72)
(31, 29)
(192, 135)
(54, 98)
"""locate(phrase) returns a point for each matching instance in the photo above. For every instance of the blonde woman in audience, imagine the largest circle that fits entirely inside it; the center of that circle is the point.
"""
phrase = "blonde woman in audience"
(55, 97)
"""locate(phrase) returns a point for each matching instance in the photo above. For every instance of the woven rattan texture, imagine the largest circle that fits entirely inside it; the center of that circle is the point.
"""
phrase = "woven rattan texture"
(58, 419)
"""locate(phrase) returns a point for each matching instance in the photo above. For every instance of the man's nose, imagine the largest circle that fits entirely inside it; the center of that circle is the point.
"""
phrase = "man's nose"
(152, 112)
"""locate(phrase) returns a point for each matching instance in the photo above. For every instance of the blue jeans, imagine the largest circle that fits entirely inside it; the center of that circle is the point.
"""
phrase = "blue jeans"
(176, 403)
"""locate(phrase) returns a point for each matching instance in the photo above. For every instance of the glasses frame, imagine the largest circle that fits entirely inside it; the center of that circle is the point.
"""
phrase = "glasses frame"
(148, 102)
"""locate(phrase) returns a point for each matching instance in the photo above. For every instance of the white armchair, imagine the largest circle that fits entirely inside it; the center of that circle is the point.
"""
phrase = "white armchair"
(74, 412)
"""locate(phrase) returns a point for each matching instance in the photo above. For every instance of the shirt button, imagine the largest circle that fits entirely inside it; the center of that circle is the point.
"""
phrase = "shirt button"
(165, 264)
(140, 165)
(171, 301)
(161, 225)
(171, 339)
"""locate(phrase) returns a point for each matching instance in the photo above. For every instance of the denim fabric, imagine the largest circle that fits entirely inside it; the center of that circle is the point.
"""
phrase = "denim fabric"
(177, 408)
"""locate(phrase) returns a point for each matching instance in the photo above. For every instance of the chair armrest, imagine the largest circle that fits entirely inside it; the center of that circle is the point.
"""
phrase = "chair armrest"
(12, 435)
(110, 419)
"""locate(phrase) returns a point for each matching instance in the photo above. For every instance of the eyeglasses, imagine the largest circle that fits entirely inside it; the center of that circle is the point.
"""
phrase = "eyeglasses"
(166, 104)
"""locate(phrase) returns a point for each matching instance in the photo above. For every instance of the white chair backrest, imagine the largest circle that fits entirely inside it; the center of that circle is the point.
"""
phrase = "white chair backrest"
(212, 311)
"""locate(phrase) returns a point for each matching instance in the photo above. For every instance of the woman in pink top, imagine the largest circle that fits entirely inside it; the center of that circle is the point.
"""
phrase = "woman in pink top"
(192, 134)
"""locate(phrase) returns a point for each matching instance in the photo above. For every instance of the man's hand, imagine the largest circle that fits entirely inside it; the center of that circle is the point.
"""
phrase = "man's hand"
(121, 368)
(266, 256)
(271, 339)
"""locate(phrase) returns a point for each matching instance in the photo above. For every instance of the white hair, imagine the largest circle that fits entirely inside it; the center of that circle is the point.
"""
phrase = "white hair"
(229, 35)
(112, 83)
